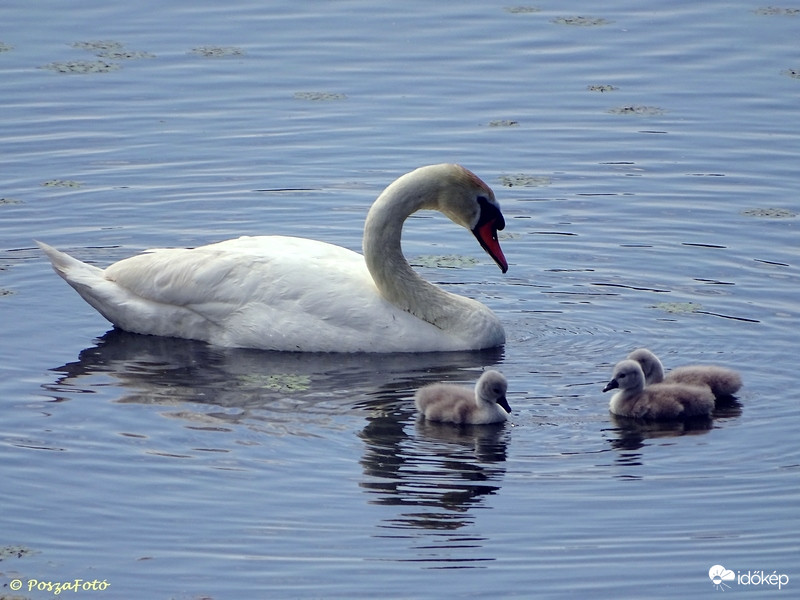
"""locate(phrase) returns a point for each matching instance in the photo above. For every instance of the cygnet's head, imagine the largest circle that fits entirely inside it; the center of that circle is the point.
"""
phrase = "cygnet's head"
(651, 366)
(492, 387)
(627, 375)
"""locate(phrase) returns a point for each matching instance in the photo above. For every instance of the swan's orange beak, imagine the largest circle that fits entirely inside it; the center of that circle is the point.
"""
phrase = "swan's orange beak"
(490, 221)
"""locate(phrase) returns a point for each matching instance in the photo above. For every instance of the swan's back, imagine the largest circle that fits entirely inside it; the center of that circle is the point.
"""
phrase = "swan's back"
(666, 401)
(723, 382)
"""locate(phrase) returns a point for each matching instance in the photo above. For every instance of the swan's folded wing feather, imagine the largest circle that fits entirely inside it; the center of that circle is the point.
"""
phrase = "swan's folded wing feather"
(233, 272)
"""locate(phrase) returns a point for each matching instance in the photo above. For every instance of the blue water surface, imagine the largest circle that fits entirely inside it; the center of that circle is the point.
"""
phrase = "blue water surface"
(646, 160)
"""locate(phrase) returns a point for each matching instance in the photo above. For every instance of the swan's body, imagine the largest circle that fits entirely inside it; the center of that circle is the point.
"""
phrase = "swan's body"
(449, 403)
(723, 382)
(659, 401)
(295, 294)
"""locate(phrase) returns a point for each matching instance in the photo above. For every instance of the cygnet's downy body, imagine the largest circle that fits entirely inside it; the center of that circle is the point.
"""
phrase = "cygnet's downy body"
(723, 382)
(449, 403)
(657, 402)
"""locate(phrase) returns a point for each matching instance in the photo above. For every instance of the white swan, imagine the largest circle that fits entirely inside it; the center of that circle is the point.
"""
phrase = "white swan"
(723, 382)
(464, 406)
(294, 294)
(659, 401)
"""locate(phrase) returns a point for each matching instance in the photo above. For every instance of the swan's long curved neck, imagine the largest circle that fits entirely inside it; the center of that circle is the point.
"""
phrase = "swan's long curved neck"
(394, 277)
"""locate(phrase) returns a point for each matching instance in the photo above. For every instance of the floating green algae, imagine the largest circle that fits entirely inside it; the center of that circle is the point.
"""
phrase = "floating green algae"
(524, 180)
(82, 66)
(217, 51)
(601, 88)
(769, 213)
(581, 21)
(678, 307)
(319, 96)
(445, 261)
(67, 183)
(633, 109)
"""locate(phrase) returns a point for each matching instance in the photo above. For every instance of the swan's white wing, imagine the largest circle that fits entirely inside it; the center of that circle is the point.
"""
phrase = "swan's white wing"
(272, 292)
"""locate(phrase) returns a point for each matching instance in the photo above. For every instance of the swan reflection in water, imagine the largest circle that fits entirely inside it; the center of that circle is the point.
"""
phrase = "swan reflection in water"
(155, 369)
(629, 436)
(436, 475)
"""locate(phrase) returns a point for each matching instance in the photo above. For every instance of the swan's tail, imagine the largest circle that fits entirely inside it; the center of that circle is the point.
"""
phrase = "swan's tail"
(71, 269)
(89, 281)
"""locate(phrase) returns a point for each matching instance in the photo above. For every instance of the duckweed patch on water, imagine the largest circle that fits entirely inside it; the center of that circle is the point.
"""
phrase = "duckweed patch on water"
(769, 213)
(67, 183)
(581, 21)
(645, 111)
(15, 552)
(445, 261)
(287, 382)
(601, 88)
(777, 10)
(111, 50)
(524, 180)
(503, 123)
(678, 307)
(277, 382)
(217, 51)
(521, 10)
(82, 66)
(125, 54)
(97, 45)
(319, 96)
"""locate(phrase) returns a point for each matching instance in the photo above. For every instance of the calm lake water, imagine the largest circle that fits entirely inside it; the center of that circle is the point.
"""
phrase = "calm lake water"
(646, 159)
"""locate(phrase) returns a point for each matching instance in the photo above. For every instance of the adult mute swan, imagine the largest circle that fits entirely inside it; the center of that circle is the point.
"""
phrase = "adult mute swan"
(464, 406)
(659, 401)
(723, 382)
(295, 294)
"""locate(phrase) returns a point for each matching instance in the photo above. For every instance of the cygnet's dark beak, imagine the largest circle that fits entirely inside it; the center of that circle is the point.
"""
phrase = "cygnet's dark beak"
(489, 223)
(611, 385)
(504, 403)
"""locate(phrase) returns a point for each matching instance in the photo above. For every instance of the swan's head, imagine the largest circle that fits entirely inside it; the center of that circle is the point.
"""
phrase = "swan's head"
(492, 387)
(469, 202)
(627, 375)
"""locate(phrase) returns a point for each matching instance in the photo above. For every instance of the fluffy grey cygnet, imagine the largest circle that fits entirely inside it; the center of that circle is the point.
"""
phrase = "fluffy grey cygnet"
(659, 401)
(723, 382)
(450, 403)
